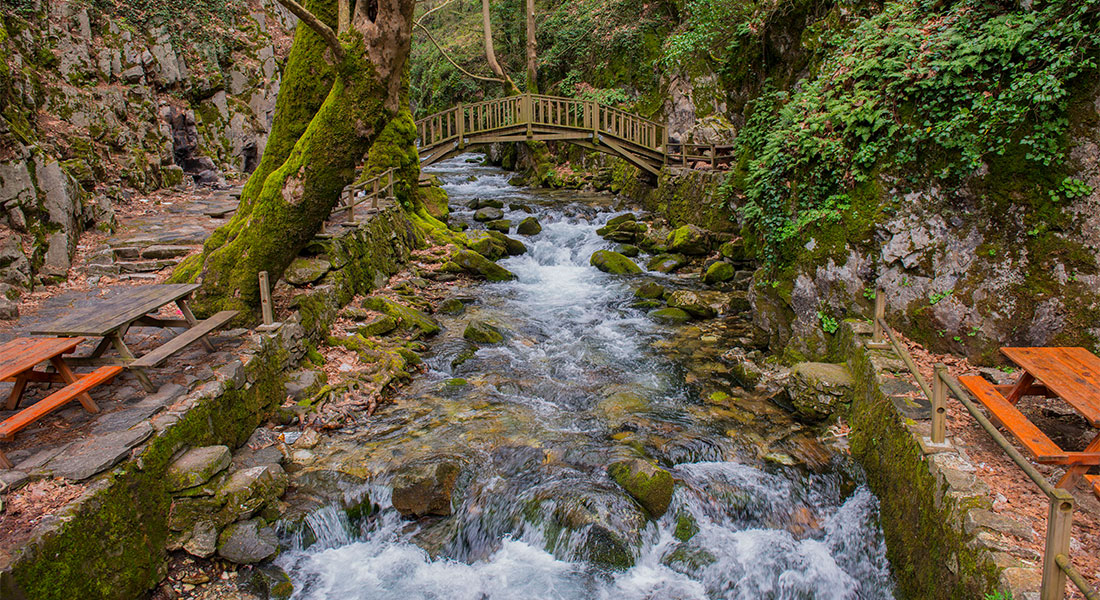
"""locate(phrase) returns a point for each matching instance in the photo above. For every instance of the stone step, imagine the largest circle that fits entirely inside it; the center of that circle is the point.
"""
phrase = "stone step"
(146, 266)
(165, 251)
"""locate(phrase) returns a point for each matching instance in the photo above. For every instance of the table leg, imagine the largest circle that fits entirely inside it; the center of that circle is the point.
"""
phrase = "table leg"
(5, 463)
(1072, 473)
(16, 393)
(101, 347)
(124, 352)
(71, 378)
(190, 318)
(1021, 386)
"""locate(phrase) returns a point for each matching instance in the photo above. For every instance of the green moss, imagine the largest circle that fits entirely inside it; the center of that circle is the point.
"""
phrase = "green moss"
(649, 484)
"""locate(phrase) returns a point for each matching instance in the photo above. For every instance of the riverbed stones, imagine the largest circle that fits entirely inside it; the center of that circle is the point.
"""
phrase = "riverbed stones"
(481, 332)
(691, 303)
(484, 215)
(719, 272)
(512, 246)
(452, 306)
(406, 317)
(502, 225)
(628, 250)
(248, 490)
(670, 316)
(529, 226)
(666, 263)
(425, 489)
(476, 264)
(650, 290)
(613, 263)
(378, 325)
(196, 467)
(646, 482)
(248, 542)
(485, 203)
(204, 540)
(304, 271)
(489, 246)
(816, 390)
(735, 251)
(622, 229)
(689, 239)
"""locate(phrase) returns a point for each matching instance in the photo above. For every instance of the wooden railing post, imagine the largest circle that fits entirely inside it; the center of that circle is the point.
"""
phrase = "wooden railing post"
(664, 142)
(939, 404)
(390, 193)
(595, 121)
(1059, 529)
(713, 158)
(461, 126)
(880, 314)
(530, 111)
(265, 299)
(374, 198)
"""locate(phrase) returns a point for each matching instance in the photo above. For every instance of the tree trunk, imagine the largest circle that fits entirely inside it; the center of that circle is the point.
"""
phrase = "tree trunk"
(297, 197)
(490, 51)
(532, 57)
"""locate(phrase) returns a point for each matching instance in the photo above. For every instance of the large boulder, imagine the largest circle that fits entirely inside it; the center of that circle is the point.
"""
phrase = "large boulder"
(719, 272)
(248, 542)
(512, 246)
(817, 390)
(670, 316)
(647, 483)
(481, 332)
(484, 215)
(529, 226)
(614, 263)
(690, 240)
(426, 489)
(407, 317)
(476, 264)
(650, 290)
(489, 246)
(196, 467)
(666, 263)
(692, 304)
(502, 225)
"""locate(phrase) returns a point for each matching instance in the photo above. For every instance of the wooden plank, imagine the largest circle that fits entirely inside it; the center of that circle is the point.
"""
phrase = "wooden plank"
(1071, 373)
(45, 406)
(22, 354)
(97, 318)
(1009, 417)
(183, 340)
(1094, 480)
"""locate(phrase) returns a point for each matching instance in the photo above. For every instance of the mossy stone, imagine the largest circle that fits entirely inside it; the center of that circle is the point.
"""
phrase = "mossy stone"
(614, 263)
(484, 215)
(650, 290)
(476, 264)
(503, 226)
(512, 246)
(529, 226)
(691, 303)
(686, 527)
(690, 240)
(628, 250)
(647, 483)
(304, 271)
(667, 263)
(196, 467)
(489, 246)
(407, 317)
(671, 316)
(380, 325)
(481, 332)
(735, 251)
(719, 272)
(453, 306)
(621, 219)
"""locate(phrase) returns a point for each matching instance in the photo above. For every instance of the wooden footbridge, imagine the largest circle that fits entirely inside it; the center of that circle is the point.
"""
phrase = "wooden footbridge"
(530, 117)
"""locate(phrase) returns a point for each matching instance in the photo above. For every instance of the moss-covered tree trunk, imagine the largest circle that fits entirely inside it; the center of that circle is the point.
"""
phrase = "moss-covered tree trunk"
(290, 206)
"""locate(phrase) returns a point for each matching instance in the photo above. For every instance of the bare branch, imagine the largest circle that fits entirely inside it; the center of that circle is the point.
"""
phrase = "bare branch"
(317, 25)
(430, 11)
(452, 61)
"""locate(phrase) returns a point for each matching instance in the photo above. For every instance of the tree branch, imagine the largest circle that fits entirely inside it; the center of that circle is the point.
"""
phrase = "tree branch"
(317, 25)
(430, 11)
(452, 61)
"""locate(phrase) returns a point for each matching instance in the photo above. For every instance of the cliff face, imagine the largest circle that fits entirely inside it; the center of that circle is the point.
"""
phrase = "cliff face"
(98, 101)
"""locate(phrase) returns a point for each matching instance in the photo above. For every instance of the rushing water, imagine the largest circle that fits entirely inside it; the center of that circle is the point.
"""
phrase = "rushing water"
(582, 380)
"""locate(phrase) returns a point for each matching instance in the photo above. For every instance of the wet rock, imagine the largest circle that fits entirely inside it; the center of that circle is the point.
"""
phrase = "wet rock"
(503, 226)
(667, 263)
(692, 304)
(484, 215)
(474, 263)
(817, 389)
(196, 467)
(379, 325)
(248, 490)
(670, 316)
(520, 207)
(204, 540)
(689, 559)
(421, 490)
(650, 290)
(719, 272)
(300, 384)
(512, 246)
(647, 483)
(477, 203)
(614, 263)
(529, 226)
(271, 582)
(623, 229)
(407, 317)
(453, 306)
(735, 251)
(628, 250)
(304, 271)
(247, 542)
(481, 332)
(620, 406)
(602, 547)
(621, 219)
(489, 246)
(690, 240)
(739, 302)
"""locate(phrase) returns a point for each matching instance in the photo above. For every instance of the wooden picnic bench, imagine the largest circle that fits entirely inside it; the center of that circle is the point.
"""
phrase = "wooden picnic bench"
(1071, 374)
(126, 307)
(18, 359)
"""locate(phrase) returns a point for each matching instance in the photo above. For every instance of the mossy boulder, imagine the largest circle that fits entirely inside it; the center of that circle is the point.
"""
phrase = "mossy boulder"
(452, 306)
(476, 264)
(628, 250)
(623, 229)
(719, 272)
(739, 302)
(817, 390)
(604, 548)
(484, 215)
(670, 316)
(620, 220)
(481, 332)
(249, 490)
(304, 271)
(650, 290)
(512, 246)
(379, 325)
(425, 489)
(248, 542)
(406, 317)
(690, 240)
(667, 263)
(735, 251)
(692, 304)
(489, 246)
(503, 226)
(477, 203)
(529, 226)
(614, 263)
(647, 483)
(196, 467)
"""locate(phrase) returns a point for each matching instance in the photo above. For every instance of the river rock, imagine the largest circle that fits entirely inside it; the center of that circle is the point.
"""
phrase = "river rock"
(817, 389)
(512, 246)
(204, 540)
(670, 316)
(667, 263)
(484, 215)
(421, 490)
(489, 246)
(452, 306)
(649, 484)
(474, 263)
(735, 251)
(692, 304)
(247, 542)
(407, 317)
(604, 548)
(628, 250)
(739, 302)
(481, 332)
(650, 290)
(529, 226)
(271, 582)
(503, 225)
(304, 271)
(690, 240)
(614, 263)
(623, 229)
(196, 467)
(248, 490)
(718, 272)
(379, 325)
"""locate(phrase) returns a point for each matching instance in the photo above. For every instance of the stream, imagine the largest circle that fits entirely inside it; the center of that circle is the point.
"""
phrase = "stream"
(761, 507)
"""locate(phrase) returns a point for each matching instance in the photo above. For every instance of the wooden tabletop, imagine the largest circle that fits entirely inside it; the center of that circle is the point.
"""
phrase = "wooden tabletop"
(22, 354)
(1071, 373)
(122, 306)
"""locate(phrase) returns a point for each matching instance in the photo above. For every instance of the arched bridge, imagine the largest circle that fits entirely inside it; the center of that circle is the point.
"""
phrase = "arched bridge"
(530, 117)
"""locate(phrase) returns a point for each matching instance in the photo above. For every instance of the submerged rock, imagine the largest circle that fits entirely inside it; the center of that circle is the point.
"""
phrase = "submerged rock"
(474, 263)
(503, 225)
(529, 226)
(247, 542)
(614, 263)
(690, 240)
(603, 547)
(647, 483)
(650, 290)
(453, 306)
(667, 263)
(484, 215)
(421, 490)
(719, 272)
(691, 303)
(481, 332)
(196, 467)
(818, 389)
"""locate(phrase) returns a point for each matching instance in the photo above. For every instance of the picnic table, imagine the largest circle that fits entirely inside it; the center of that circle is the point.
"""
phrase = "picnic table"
(18, 359)
(1071, 374)
(126, 307)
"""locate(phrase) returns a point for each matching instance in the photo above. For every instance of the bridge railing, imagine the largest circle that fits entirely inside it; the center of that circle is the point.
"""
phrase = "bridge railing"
(711, 155)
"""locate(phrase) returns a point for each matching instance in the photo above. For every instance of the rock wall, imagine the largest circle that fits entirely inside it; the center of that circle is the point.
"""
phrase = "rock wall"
(94, 108)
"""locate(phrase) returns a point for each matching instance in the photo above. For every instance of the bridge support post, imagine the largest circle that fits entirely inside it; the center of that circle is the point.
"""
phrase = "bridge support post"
(461, 116)
(529, 114)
